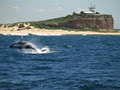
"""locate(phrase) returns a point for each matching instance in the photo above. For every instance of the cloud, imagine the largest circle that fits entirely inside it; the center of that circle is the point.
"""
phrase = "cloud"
(15, 7)
(80, 9)
(57, 9)
(56, 4)
(41, 10)
(60, 9)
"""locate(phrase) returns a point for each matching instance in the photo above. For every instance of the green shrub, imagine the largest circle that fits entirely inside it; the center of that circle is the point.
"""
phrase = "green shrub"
(28, 27)
(12, 25)
(0, 25)
(21, 26)
(97, 13)
(82, 12)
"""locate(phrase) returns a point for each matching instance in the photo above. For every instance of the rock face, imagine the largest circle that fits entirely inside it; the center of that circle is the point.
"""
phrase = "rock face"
(90, 22)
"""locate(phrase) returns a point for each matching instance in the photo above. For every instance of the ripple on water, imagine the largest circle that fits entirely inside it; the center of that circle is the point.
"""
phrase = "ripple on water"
(78, 63)
(42, 68)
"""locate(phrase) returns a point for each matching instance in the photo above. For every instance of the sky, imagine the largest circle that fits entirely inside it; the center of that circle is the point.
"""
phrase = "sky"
(12, 11)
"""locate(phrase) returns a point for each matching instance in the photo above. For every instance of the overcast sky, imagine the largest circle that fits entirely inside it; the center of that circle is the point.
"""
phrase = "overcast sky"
(34, 10)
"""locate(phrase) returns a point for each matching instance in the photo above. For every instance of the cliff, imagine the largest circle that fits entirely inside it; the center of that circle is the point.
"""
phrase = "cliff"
(82, 21)
(90, 22)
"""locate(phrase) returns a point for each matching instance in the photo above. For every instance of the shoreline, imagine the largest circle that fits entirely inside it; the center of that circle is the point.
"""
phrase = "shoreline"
(52, 32)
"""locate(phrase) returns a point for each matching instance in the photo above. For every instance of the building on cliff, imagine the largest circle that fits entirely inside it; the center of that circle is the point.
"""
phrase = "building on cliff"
(91, 20)
(92, 8)
(90, 11)
(81, 20)
(95, 22)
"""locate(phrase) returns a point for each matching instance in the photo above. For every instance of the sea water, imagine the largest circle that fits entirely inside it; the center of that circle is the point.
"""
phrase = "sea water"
(73, 62)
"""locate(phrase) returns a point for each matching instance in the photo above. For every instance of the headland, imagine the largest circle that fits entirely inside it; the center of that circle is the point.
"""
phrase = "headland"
(80, 22)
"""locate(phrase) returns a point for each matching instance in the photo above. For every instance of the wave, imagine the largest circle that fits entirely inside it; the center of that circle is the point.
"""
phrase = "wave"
(15, 34)
(99, 86)
(47, 34)
(27, 34)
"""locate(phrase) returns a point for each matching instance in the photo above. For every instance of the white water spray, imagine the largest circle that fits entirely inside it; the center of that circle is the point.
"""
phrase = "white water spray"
(35, 50)
(43, 50)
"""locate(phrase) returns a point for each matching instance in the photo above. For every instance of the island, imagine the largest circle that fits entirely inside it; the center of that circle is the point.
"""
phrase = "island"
(80, 22)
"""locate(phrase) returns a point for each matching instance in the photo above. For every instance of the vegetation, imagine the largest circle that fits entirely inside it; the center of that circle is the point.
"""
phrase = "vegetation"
(12, 25)
(5, 26)
(0, 25)
(58, 23)
(52, 23)
(21, 26)
(28, 27)
(97, 13)
(82, 13)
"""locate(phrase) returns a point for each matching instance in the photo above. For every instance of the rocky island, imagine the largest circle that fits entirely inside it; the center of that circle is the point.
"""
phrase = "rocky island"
(80, 22)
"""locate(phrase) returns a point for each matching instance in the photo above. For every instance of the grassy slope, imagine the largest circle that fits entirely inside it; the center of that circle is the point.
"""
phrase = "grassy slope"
(0, 25)
(56, 21)
(45, 24)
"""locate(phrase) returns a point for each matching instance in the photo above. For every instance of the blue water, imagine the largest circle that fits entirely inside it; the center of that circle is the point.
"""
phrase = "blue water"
(76, 62)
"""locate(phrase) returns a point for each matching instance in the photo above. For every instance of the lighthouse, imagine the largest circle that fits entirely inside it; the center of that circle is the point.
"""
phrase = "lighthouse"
(92, 8)
(90, 11)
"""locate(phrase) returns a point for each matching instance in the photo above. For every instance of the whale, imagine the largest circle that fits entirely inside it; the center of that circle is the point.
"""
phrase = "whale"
(23, 45)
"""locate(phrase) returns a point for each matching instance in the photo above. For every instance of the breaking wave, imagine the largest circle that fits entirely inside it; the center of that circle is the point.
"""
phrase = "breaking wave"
(15, 34)
(27, 34)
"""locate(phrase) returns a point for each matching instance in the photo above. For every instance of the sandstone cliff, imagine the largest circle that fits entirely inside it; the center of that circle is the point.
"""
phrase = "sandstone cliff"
(75, 22)
(80, 22)
(90, 22)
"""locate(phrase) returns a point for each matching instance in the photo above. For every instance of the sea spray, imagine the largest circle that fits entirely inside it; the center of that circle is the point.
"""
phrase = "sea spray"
(28, 47)
(43, 50)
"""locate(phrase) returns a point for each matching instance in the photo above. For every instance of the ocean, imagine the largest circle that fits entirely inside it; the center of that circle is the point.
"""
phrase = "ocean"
(73, 62)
